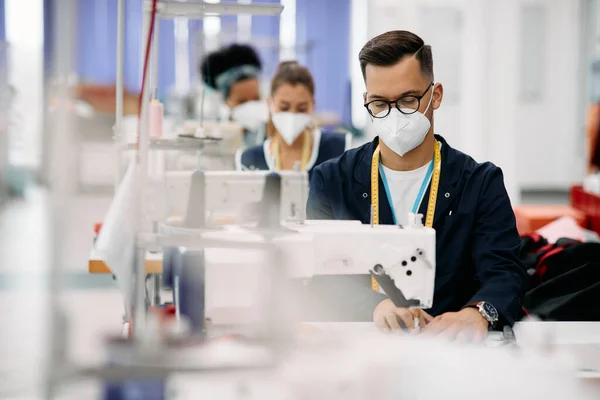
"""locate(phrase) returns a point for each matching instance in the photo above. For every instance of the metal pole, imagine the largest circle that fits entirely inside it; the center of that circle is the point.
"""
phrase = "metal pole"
(61, 167)
(156, 279)
(154, 60)
(139, 301)
(119, 137)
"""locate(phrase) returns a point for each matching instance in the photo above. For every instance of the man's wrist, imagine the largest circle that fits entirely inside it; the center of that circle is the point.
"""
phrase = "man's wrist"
(475, 311)
(486, 310)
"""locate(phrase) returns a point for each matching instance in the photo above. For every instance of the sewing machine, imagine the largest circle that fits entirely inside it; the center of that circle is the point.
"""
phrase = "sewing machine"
(231, 195)
(402, 260)
(183, 146)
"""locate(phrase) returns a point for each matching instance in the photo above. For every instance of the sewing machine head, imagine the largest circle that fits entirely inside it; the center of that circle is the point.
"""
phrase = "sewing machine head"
(233, 196)
(401, 260)
(236, 278)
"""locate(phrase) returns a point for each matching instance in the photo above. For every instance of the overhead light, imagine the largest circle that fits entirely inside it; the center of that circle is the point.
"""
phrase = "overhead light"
(173, 9)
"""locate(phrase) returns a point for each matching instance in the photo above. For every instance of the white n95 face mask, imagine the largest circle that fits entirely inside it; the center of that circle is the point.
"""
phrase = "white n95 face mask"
(290, 125)
(403, 132)
(251, 114)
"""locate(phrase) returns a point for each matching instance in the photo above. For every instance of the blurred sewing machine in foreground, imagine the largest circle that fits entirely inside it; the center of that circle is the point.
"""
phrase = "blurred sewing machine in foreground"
(243, 269)
(402, 260)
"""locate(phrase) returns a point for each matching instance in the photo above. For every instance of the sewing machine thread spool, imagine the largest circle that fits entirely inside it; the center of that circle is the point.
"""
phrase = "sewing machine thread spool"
(156, 116)
(192, 288)
(196, 207)
(270, 208)
(170, 255)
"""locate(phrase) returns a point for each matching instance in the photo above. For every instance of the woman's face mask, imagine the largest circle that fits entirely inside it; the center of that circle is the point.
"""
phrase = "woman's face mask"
(290, 125)
(251, 114)
(292, 106)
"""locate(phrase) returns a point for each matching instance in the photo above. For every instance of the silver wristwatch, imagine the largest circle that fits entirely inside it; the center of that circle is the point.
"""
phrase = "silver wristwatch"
(488, 312)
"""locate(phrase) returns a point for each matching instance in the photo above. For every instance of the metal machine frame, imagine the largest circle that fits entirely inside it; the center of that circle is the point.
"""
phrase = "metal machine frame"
(59, 367)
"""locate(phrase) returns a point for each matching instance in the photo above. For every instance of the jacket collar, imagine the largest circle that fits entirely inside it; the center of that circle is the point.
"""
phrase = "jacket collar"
(449, 176)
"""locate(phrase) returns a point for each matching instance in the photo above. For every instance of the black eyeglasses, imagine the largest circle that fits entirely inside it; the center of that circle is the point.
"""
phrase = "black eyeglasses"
(406, 105)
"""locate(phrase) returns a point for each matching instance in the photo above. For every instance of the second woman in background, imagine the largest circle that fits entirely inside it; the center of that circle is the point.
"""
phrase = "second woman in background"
(293, 141)
(234, 72)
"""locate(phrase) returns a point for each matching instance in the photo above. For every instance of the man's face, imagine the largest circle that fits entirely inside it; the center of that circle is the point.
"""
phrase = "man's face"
(401, 79)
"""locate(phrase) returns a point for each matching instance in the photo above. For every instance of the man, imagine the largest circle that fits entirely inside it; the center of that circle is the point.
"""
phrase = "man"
(479, 278)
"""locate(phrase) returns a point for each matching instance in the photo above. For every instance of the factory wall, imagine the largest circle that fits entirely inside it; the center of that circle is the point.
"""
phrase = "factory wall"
(487, 53)
(552, 122)
(321, 33)
(513, 70)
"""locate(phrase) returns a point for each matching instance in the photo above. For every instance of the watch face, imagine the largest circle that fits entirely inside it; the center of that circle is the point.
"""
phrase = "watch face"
(490, 311)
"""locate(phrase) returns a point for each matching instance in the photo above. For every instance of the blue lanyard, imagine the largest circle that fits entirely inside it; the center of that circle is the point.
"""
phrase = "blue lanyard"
(420, 195)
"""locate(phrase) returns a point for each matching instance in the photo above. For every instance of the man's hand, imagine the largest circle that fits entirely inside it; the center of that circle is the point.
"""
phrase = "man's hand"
(465, 325)
(387, 316)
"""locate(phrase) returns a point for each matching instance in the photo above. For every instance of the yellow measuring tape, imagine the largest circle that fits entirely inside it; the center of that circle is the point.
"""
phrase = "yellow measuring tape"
(306, 152)
(435, 182)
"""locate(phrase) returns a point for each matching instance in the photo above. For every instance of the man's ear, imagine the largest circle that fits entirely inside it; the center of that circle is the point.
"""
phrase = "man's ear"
(438, 95)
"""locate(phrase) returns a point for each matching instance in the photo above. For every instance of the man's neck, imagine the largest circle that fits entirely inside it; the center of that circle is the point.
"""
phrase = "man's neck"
(412, 160)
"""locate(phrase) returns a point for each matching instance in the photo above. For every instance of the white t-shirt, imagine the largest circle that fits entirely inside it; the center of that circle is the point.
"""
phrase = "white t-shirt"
(404, 187)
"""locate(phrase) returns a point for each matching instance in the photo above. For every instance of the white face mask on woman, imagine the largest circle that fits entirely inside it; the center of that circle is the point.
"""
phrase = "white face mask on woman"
(401, 132)
(251, 114)
(290, 125)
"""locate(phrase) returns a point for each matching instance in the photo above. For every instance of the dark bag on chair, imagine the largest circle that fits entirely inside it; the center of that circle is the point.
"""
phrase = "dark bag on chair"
(571, 296)
(564, 281)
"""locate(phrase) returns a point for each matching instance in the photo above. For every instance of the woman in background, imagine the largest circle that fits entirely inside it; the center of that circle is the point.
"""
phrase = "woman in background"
(234, 71)
(293, 141)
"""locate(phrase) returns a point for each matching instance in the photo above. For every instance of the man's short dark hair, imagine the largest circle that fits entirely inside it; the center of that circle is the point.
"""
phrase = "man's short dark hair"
(389, 48)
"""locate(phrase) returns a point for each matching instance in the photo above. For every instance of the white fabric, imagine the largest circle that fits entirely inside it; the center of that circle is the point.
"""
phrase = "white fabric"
(116, 243)
(404, 187)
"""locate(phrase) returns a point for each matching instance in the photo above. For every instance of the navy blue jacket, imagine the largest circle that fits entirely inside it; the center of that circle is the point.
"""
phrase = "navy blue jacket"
(327, 145)
(477, 249)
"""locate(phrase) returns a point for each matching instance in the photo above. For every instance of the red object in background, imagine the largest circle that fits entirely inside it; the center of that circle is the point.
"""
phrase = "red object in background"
(164, 313)
(97, 227)
(530, 218)
(589, 204)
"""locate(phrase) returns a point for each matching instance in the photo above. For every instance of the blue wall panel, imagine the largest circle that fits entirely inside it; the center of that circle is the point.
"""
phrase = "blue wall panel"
(324, 25)
(265, 32)
(96, 40)
(2, 22)
(133, 45)
(166, 57)
(97, 45)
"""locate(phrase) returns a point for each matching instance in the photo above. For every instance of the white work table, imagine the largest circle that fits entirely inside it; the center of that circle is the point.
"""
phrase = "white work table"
(581, 339)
